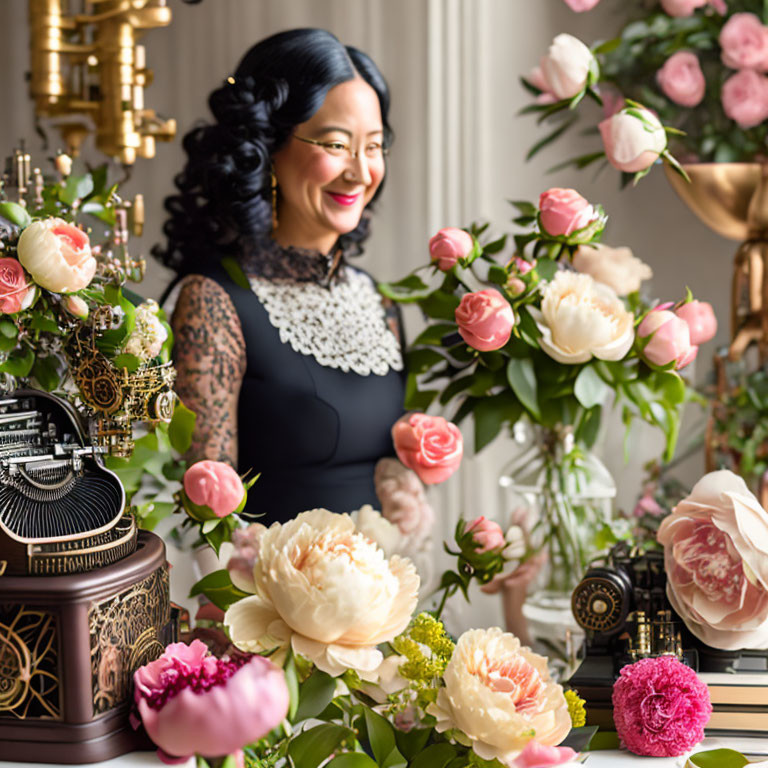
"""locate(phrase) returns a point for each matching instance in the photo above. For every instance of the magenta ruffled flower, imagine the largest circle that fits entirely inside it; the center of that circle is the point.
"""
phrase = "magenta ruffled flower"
(193, 703)
(660, 707)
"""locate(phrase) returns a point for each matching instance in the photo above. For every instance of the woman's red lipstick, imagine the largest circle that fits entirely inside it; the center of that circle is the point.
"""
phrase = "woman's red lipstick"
(344, 199)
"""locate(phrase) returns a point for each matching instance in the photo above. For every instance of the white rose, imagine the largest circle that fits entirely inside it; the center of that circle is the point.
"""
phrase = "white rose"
(57, 255)
(618, 268)
(500, 696)
(581, 318)
(633, 139)
(378, 529)
(566, 66)
(326, 590)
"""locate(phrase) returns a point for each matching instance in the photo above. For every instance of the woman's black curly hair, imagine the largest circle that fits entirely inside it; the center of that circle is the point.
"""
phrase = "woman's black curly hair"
(224, 199)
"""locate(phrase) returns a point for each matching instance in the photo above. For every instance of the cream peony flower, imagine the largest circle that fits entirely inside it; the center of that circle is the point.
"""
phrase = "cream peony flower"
(57, 255)
(378, 529)
(500, 696)
(326, 590)
(581, 318)
(618, 268)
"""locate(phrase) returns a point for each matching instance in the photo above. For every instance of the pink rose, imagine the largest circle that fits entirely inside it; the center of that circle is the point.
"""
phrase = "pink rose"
(485, 319)
(16, 293)
(537, 755)
(402, 498)
(701, 320)
(564, 211)
(429, 445)
(185, 696)
(647, 505)
(581, 5)
(745, 98)
(449, 245)
(682, 7)
(669, 339)
(716, 558)
(215, 485)
(76, 306)
(744, 42)
(633, 139)
(486, 534)
(682, 80)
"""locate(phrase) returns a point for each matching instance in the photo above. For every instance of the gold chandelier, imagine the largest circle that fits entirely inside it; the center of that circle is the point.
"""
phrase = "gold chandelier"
(88, 74)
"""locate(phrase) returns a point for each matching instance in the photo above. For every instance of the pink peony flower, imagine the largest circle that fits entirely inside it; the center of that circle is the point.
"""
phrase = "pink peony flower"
(669, 339)
(564, 211)
(486, 534)
(701, 320)
(682, 7)
(449, 245)
(682, 80)
(485, 319)
(580, 6)
(745, 98)
(744, 42)
(537, 755)
(403, 502)
(186, 695)
(16, 292)
(429, 445)
(660, 707)
(716, 558)
(215, 485)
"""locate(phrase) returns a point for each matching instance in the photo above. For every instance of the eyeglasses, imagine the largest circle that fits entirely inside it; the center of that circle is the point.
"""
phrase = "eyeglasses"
(374, 150)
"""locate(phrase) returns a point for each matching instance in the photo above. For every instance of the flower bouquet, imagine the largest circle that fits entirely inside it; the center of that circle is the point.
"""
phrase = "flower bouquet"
(543, 335)
(698, 66)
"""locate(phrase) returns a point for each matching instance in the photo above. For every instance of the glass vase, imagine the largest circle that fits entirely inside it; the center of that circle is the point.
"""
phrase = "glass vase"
(561, 495)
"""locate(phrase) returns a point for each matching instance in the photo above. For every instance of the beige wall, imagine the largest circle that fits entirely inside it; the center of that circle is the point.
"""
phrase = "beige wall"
(453, 66)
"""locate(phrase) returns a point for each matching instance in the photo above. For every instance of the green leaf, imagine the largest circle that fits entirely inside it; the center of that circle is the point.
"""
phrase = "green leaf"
(312, 747)
(409, 289)
(182, 427)
(46, 372)
(42, 323)
(433, 334)
(219, 589)
(522, 379)
(380, 735)
(77, 187)
(491, 413)
(495, 246)
(19, 363)
(8, 329)
(315, 694)
(412, 742)
(416, 399)
(435, 756)
(15, 213)
(421, 360)
(152, 512)
(589, 426)
(351, 760)
(590, 389)
(718, 758)
(292, 681)
(440, 305)
(497, 274)
(129, 362)
(549, 138)
(671, 386)
(528, 328)
(235, 271)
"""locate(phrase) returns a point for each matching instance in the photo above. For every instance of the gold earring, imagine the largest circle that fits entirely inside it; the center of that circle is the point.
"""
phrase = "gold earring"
(273, 180)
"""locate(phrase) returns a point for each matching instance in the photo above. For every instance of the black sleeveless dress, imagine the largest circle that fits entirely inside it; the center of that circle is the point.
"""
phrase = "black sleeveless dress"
(313, 430)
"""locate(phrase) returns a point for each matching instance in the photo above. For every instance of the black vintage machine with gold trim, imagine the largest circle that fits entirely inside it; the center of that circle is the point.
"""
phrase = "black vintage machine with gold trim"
(84, 598)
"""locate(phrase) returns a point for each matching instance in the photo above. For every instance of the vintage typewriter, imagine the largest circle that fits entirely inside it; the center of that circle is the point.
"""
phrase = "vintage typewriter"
(61, 510)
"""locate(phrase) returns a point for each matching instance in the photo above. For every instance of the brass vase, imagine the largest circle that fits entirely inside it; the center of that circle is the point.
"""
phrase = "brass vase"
(732, 200)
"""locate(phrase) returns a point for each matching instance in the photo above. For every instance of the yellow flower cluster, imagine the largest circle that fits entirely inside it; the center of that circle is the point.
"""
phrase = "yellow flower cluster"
(427, 648)
(576, 709)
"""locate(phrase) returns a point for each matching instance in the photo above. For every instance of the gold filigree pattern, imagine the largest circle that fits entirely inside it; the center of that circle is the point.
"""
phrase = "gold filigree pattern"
(29, 679)
(126, 634)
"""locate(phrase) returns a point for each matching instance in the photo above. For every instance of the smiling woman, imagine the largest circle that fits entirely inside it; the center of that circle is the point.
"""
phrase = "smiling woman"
(286, 351)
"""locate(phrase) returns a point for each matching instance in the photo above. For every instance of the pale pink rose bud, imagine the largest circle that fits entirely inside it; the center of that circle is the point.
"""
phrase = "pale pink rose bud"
(538, 755)
(485, 320)
(515, 286)
(429, 445)
(566, 66)
(449, 245)
(580, 6)
(215, 485)
(682, 80)
(524, 266)
(647, 505)
(701, 320)
(76, 306)
(486, 534)
(564, 211)
(682, 7)
(670, 339)
(633, 143)
(744, 42)
(745, 98)
(63, 164)
(536, 78)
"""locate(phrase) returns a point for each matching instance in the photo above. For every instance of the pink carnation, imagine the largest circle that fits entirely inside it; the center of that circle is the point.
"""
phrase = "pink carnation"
(660, 707)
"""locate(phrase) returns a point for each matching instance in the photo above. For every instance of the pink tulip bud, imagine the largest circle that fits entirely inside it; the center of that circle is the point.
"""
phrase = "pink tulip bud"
(486, 534)
(701, 320)
(669, 339)
(449, 245)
